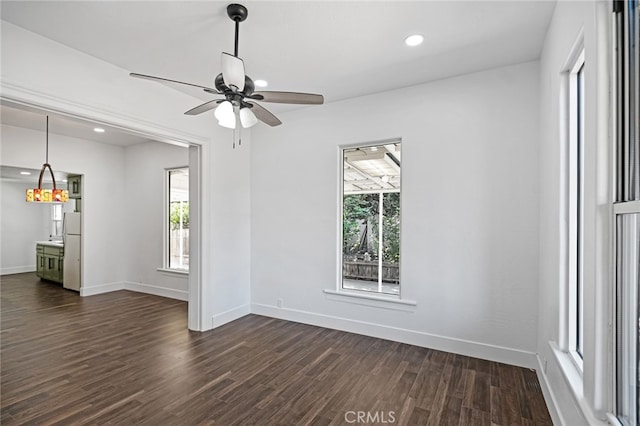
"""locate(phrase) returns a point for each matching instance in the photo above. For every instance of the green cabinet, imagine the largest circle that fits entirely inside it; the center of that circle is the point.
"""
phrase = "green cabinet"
(50, 262)
(40, 260)
(74, 184)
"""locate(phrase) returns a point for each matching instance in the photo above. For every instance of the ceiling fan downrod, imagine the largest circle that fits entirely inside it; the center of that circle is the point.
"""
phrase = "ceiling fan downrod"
(237, 13)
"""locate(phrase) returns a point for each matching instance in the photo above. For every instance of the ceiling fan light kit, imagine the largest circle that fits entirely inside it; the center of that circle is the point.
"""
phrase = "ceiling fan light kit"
(247, 118)
(238, 104)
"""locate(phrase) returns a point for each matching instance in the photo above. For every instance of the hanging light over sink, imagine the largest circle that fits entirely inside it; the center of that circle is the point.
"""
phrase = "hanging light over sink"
(46, 195)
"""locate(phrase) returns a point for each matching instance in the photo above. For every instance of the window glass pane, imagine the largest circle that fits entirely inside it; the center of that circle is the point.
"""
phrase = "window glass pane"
(627, 122)
(56, 220)
(371, 219)
(360, 241)
(628, 321)
(580, 209)
(633, 72)
(178, 229)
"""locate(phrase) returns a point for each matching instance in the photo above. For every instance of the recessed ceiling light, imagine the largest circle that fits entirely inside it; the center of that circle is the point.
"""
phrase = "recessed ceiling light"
(25, 173)
(98, 130)
(261, 83)
(414, 40)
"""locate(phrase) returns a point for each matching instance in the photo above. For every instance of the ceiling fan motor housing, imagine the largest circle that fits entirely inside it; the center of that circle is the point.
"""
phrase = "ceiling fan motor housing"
(237, 12)
(249, 87)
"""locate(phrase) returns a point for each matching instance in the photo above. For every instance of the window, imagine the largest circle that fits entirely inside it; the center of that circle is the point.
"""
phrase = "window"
(56, 220)
(576, 208)
(177, 226)
(371, 218)
(628, 313)
(626, 405)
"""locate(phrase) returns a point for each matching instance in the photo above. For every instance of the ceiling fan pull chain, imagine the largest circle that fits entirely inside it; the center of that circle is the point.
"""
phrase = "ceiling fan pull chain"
(235, 137)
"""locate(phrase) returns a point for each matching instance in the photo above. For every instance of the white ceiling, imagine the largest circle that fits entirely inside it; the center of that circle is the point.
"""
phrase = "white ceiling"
(30, 118)
(339, 49)
(18, 174)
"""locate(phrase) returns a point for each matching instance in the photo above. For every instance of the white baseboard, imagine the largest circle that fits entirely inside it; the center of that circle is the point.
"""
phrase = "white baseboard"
(138, 287)
(101, 288)
(448, 344)
(549, 396)
(17, 270)
(230, 315)
(157, 291)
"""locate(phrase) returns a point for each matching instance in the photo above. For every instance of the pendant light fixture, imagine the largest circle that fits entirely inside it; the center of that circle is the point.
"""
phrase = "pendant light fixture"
(46, 195)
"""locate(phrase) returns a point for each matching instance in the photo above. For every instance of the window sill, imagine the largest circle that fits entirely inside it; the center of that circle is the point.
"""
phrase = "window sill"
(174, 271)
(385, 302)
(573, 377)
(570, 370)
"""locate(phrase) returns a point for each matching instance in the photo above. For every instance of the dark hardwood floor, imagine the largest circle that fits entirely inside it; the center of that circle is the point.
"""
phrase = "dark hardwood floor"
(126, 358)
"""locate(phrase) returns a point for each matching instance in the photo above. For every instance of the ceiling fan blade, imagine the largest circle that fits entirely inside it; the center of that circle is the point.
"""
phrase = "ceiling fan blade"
(166, 80)
(207, 106)
(232, 71)
(264, 115)
(289, 97)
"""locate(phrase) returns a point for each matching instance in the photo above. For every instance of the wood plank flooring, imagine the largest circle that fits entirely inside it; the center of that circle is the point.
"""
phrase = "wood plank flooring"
(126, 358)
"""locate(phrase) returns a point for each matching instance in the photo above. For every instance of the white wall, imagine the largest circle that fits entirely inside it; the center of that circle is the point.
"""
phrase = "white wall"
(21, 224)
(578, 398)
(102, 167)
(469, 213)
(227, 211)
(144, 207)
(42, 73)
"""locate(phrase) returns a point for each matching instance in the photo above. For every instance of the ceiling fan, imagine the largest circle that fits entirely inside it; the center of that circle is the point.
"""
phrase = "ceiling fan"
(238, 90)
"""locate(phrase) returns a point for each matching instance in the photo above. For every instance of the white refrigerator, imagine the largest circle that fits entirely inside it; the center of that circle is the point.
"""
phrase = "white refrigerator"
(71, 234)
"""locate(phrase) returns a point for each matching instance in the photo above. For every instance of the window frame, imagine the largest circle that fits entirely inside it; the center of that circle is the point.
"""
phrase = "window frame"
(625, 317)
(57, 214)
(377, 298)
(166, 262)
(575, 209)
(626, 312)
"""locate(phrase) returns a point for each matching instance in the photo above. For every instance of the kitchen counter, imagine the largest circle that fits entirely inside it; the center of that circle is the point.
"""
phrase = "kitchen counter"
(51, 243)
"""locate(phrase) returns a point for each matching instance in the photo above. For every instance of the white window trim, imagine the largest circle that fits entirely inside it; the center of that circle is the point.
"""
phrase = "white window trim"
(621, 209)
(173, 271)
(372, 299)
(576, 180)
(176, 270)
(390, 301)
(57, 214)
(165, 226)
(572, 366)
